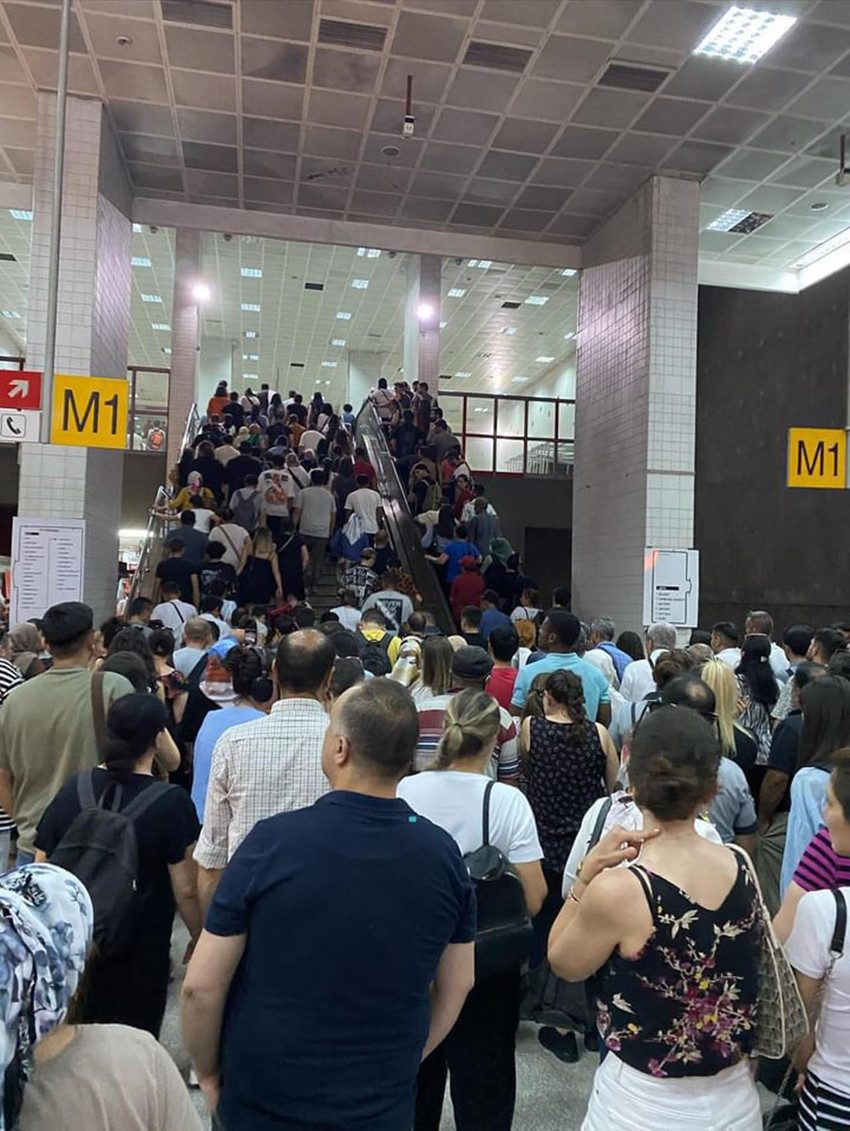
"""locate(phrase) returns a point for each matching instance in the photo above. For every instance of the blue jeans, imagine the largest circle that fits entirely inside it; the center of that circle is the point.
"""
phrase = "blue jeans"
(24, 857)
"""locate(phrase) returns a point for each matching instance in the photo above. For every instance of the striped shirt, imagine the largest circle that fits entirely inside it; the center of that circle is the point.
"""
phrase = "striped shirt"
(260, 769)
(10, 677)
(821, 867)
(432, 712)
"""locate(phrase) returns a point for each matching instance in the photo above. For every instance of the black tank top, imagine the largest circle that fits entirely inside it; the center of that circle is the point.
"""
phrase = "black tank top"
(686, 1005)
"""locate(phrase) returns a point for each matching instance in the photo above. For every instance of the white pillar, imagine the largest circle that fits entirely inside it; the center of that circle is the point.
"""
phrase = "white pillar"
(185, 339)
(93, 320)
(635, 397)
(422, 334)
(364, 370)
(219, 361)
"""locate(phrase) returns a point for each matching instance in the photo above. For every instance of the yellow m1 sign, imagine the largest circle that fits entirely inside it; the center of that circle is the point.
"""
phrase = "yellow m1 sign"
(89, 412)
(817, 457)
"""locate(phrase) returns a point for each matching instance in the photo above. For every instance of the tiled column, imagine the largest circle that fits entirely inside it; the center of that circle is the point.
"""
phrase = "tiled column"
(185, 337)
(635, 397)
(422, 335)
(92, 326)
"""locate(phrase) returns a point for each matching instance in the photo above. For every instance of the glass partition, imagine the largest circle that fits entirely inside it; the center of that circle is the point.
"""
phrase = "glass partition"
(513, 435)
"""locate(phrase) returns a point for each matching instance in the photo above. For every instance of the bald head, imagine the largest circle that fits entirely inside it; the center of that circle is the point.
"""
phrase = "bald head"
(378, 719)
(304, 662)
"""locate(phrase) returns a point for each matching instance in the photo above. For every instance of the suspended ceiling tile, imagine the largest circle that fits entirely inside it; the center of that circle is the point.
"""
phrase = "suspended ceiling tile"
(138, 117)
(731, 126)
(810, 47)
(752, 164)
(484, 191)
(39, 27)
(464, 126)
(199, 125)
(209, 92)
(787, 134)
(345, 70)
(134, 81)
(680, 26)
(445, 158)
(217, 158)
(696, 157)
(292, 20)
(702, 77)
(424, 37)
(583, 142)
(325, 141)
(525, 136)
(261, 133)
(559, 171)
(671, 116)
(610, 108)
(551, 101)
(537, 13)
(765, 88)
(258, 163)
(104, 31)
(569, 58)
(606, 20)
(150, 150)
(198, 50)
(476, 215)
(272, 99)
(429, 79)
(641, 149)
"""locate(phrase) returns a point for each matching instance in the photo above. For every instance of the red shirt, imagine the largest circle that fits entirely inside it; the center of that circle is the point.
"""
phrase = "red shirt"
(462, 497)
(363, 467)
(501, 686)
(466, 590)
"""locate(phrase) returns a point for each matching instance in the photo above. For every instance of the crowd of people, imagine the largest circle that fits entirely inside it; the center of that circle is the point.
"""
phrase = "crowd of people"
(384, 837)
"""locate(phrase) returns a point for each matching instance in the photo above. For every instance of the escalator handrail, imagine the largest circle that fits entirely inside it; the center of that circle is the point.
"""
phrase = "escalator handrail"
(405, 535)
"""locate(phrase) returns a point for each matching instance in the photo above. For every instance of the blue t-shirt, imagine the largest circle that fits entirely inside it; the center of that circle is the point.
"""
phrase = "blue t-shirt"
(489, 620)
(212, 728)
(454, 551)
(348, 906)
(595, 684)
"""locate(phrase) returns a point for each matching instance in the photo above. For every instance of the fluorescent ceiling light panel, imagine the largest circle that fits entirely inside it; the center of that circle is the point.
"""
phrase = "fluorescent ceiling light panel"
(329, 364)
(166, 349)
(826, 248)
(744, 34)
(443, 325)
(728, 220)
(537, 300)
(151, 298)
(344, 315)
(251, 273)
(160, 326)
(140, 261)
(457, 292)
(568, 272)
(519, 380)
(10, 313)
(483, 264)
(250, 357)
(507, 330)
(337, 341)
(368, 252)
(463, 373)
(137, 227)
(360, 284)
(481, 408)
(252, 334)
(569, 337)
(20, 214)
(250, 376)
(251, 306)
(544, 360)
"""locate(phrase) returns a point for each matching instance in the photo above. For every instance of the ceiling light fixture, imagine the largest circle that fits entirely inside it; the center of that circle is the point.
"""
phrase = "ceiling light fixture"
(826, 248)
(570, 336)
(456, 292)
(482, 264)
(337, 341)
(252, 334)
(251, 273)
(544, 360)
(443, 325)
(507, 329)
(20, 214)
(137, 228)
(463, 373)
(744, 34)
(201, 292)
(250, 376)
(250, 357)
(140, 261)
(519, 380)
(166, 349)
(360, 284)
(252, 307)
(728, 219)
(568, 272)
(819, 206)
(151, 298)
(10, 313)
(329, 364)
(537, 300)
(368, 252)
(424, 311)
(344, 315)
(161, 326)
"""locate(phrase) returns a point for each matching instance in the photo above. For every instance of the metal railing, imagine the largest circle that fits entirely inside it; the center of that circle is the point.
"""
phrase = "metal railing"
(405, 534)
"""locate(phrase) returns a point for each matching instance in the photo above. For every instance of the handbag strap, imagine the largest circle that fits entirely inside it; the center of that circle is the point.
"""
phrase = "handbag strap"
(836, 947)
(765, 913)
(488, 789)
(98, 711)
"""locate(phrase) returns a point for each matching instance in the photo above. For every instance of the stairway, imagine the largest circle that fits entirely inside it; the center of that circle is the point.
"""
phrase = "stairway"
(325, 596)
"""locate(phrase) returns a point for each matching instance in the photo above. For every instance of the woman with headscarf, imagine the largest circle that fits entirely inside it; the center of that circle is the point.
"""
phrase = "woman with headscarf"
(495, 569)
(46, 923)
(25, 642)
(182, 501)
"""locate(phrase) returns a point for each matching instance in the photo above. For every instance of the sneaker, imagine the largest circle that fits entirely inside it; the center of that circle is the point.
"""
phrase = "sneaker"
(563, 1045)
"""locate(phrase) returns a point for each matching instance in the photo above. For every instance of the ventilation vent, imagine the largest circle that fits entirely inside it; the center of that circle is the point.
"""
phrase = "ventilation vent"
(339, 33)
(445, 377)
(372, 334)
(314, 286)
(627, 76)
(497, 57)
(199, 12)
(296, 365)
(751, 222)
(7, 257)
(511, 305)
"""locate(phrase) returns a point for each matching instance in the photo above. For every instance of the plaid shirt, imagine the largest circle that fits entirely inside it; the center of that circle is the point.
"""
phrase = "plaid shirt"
(260, 769)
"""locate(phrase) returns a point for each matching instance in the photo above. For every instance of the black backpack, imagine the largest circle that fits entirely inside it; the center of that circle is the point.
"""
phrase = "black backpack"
(505, 936)
(375, 654)
(100, 849)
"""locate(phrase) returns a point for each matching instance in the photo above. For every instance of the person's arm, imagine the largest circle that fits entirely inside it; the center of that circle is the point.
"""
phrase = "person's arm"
(196, 591)
(772, 791)
(454, 979)
(801, 1054)
(167, 752)
(208, 880)
(748, 842)
(612, 760)
(783, 924)
(184, 885)
(296, 516)
(525, 737)
(305, 556)
(380, 516)
(603, 714)
(533, 882)
(7, 795)
(347, 515)
(202, 1002)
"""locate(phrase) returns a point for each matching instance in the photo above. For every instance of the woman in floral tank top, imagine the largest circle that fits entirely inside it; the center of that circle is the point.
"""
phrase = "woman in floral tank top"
(678, 934)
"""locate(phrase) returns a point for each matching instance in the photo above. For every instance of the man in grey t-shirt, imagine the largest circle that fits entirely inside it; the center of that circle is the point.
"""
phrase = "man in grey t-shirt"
(315, 517)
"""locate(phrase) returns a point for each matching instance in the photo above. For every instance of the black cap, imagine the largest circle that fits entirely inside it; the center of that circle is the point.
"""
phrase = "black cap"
(470, 662)
(66, 622)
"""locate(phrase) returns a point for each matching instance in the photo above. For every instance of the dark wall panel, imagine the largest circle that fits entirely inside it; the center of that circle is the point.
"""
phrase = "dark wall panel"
(766, 363)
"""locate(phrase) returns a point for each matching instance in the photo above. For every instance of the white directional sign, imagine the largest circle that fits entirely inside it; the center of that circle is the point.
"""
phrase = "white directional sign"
(20, 427)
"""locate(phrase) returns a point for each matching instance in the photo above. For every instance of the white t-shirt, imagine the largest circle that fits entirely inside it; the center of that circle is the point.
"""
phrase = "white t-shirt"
(522, 613)
(233, 537)
(173, 615)
(808, 951)
(277, 490)
(318, 512)
(310, 439)
(186, 659)
(365, 502)
(600, 659)
(349, 618)
(203, 519)
(454, 800)
(396, 607)
(638, 681)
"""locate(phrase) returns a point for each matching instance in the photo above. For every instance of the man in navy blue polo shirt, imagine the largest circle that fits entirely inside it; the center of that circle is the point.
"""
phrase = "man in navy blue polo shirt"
(306, 1003)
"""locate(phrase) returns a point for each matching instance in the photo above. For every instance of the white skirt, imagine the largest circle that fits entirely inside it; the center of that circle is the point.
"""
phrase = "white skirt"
(624, 1099)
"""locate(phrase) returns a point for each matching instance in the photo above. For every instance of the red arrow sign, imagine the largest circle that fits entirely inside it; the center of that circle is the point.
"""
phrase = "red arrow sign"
(20, 388)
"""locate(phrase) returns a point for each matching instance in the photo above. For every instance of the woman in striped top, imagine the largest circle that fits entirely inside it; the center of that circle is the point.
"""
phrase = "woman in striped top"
(821, 959)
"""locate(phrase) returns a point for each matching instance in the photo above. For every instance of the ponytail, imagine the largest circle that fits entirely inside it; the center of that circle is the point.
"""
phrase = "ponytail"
(566, 688)
(132, 725)
(471, 723)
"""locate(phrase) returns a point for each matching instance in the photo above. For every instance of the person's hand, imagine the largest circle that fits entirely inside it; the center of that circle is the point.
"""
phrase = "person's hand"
(190, 950)
(742, 704)
(801, 1082)
(211, 1087)
(613, 848)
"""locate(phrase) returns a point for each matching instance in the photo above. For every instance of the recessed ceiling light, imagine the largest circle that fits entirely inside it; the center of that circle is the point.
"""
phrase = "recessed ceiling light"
(329, 364)
(819, 206)
(250, 357)
(390, 150)
(744, 34)
(463, 373)
(569, 337)
(10, 313)
(519, 380)
(360, 284)
(740, 221)
(20, 214)
(443, 325)
(251, 273)
(544, 360)
(137, 227)
(250, 376)
(251, 306)
(481, 408)
(537, 300)
(140, 261)
(201, 292)
(166, 349)
(841, 240)
(507, 329)
(345, 315)
(483, 264)
(252, 334)
(368, 252)
(123, 40)
(568, 272)
(457, 292)
(337, 341)
(728, 219)
(160, 326)
(151, 298)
